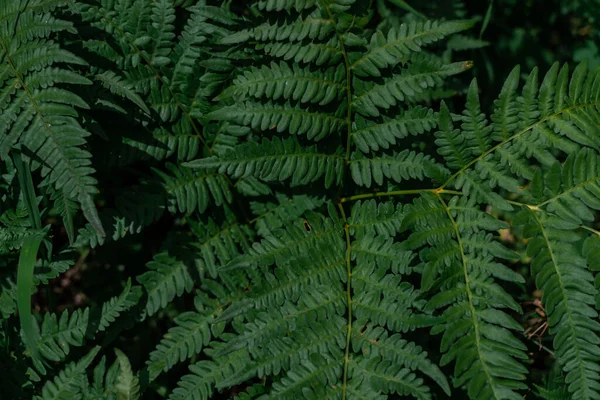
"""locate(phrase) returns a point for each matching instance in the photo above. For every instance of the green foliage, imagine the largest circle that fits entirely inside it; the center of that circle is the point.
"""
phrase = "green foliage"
(287, 199)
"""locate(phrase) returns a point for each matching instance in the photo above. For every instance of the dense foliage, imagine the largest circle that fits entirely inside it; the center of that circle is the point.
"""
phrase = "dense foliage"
(299, 199)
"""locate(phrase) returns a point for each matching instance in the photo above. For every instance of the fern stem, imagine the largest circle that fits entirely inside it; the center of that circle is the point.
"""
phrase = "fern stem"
(348, 299)
(398, 193)
(587, 228)
(517, 203)
(469, 295)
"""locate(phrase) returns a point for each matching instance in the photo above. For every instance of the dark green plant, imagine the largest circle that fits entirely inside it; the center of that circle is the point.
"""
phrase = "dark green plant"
(279, 200)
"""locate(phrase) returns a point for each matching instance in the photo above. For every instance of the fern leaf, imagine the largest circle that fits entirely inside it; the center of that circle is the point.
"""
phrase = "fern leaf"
(376, 342)
(200, 382)
(163, 16)
(569, 298)
(277, 160)
(532, 124)
(402, 42)
(317, 53)
(451, 145)
(315, 372)
(162, 145)
(312, 26)
(187, 50)
(115, 306)
(398, 167)
(404, 87)
(388, 378)
(280, 5)
(113, 82)
(573, 189)
(369, 136)
(191, 332)
(476, 331)
(271, 216)
(128, 385)
(167, 278)
(370, 217)
(294, 240)
(283, 118)
(505, 116)
(219, 245)
(280, 81)
(474, 125)
(66, 384)
(385, 253)
(191, 190)
(284, 352)
(43, 117)
(321, 303)
(58, 334)
(66, 208)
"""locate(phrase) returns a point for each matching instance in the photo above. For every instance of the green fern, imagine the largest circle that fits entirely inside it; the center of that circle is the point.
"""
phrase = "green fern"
(302, 173)
(66, 384)
(37, 112)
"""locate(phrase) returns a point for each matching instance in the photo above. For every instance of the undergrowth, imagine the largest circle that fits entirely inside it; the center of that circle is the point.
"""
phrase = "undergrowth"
(291, 199)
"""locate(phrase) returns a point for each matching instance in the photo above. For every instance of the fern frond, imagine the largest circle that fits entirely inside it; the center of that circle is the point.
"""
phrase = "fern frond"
(191, 190)
(312, 26)
(388, 378)
(38, 114)
(569, 298)
(114, 83)
(161, 30)
(476, 331)
(191, 332)
(376, 342)
(128, 385)
(401, 43)
(321, 303)
(116, 305)
(557, 116)
(218, 245)
(66, 208)
(277, 160)
(406, 86)
(383, 299)
(58, 334)
(167, 278)
(318, 53)
(370, 217)
(287, 351)
(398, 167)
(572, 191)
(200, 382)
(283, 118)
(280, 81)
(294, 240)
(280, 5)
(67, 383)
(383, 252)
(161, 145)
(316, 372)
(370, 136)
(271, 216)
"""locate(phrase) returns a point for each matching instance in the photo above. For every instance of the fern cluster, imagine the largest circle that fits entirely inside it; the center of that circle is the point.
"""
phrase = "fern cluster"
(335, 221)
